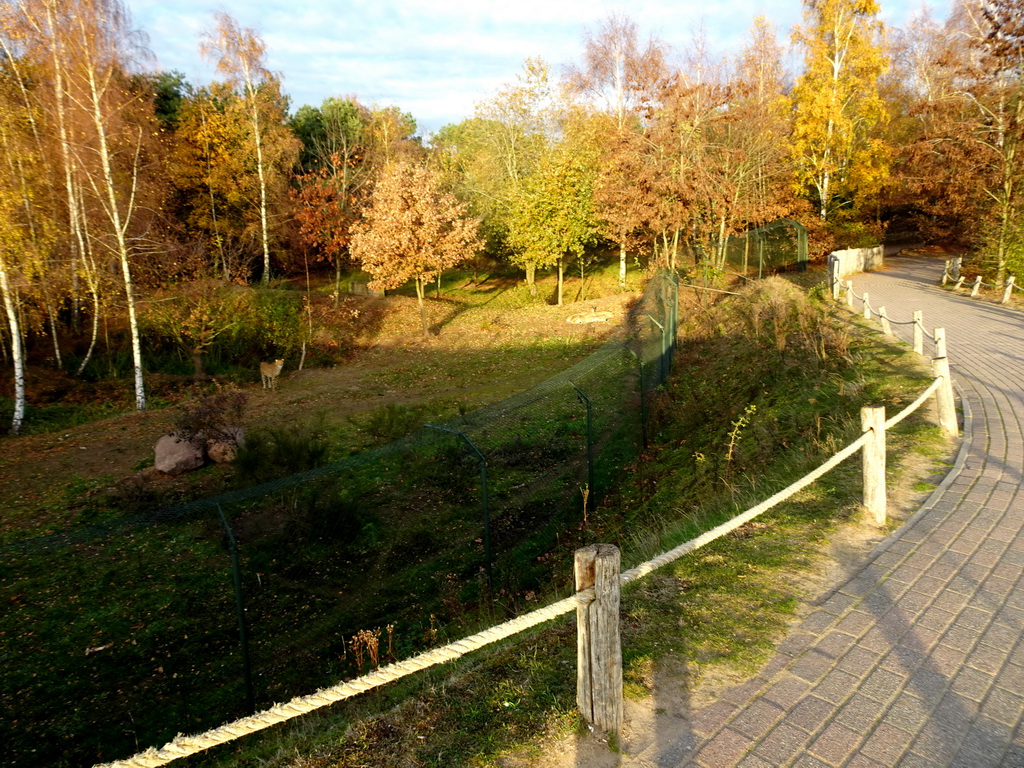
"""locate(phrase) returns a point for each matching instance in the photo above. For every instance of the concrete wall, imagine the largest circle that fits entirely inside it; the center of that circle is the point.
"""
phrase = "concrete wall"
(844, 263)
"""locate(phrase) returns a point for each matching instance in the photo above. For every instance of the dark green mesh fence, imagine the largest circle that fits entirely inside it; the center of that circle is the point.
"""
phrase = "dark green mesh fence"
(119, 635)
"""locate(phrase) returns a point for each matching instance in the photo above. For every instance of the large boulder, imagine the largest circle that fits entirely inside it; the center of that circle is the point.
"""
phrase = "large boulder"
(175, 455)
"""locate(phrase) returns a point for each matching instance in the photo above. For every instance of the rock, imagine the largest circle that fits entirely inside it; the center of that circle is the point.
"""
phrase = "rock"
(174, 455)
(224, 448)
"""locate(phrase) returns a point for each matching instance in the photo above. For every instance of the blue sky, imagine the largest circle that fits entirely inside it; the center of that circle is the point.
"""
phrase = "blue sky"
(437, 59)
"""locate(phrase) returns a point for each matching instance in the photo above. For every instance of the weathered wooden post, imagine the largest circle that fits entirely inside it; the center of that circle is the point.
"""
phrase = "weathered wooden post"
(849, 293)
(959, 282)
(872, 420)
(945, 271)
(919, 331)
(977, 286)
(598, 647)
(944, 401)
(1008, 290)
(867, 306)
(883, 318)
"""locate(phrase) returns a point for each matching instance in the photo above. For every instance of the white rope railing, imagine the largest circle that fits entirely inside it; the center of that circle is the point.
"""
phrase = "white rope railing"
(951, 270)
(892, 422)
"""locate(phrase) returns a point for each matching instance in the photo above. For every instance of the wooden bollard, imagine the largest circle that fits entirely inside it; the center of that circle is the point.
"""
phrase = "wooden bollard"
(849, 293)
(598, 647)
(959, 282)
(945, 271)
(867, 306)
(883, 318)
(944, 401)
(977, 286)
(872, 420)
(1008, 290)
(919, 331)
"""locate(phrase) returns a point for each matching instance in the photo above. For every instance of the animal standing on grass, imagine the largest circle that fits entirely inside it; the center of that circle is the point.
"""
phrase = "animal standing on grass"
(269, 373)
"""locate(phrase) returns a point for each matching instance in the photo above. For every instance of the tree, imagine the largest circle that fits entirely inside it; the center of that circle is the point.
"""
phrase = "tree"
(412, 230)
(837, 103)
(616, 69)
(555, 216)
(240, 55)
(337, 179)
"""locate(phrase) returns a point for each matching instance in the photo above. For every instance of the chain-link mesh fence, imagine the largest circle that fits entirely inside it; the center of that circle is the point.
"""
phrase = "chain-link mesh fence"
(120, 634)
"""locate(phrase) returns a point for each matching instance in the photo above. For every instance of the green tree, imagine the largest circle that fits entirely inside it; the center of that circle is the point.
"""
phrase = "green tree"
(555, 215)
(838, 107)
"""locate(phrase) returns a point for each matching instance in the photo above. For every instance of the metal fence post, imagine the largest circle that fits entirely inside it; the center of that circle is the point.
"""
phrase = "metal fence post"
(488, 555)
(598, 646)
(243, 634)
(643, 398)
(590, 444)
(872, 419)
(661, 357)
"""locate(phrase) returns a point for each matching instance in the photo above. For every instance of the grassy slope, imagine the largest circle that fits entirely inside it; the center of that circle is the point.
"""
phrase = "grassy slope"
(716, 614)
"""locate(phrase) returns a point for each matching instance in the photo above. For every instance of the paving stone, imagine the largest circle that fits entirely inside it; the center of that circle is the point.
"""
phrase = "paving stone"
(787, 691)
(835, 744)
(756, 719)
(811, 713)
(860, 713)
(709, 719)
(1003, 706)
(725, 748)
(782, 744)
(811, 666)
(987, 659)
(887, 744)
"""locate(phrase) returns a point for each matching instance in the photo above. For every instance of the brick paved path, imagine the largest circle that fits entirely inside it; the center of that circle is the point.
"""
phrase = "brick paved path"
(919, 659)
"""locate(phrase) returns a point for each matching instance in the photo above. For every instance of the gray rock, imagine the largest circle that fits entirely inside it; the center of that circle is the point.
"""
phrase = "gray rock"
(174, 455)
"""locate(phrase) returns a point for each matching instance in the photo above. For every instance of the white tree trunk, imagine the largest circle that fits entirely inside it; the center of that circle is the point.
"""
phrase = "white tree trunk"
(123, 251)
(17, 355)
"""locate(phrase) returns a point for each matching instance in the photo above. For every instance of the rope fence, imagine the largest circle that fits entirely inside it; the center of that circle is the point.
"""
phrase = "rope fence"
(951, 272)
(595, 658)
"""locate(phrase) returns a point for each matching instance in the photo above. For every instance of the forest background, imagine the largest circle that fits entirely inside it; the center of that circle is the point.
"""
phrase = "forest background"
(141, 213)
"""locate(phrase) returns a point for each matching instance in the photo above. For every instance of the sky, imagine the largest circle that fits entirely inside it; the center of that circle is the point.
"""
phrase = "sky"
(436, 59)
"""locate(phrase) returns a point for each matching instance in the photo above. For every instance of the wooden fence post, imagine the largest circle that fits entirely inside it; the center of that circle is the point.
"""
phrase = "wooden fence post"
(867, 306)
(883, 318)
(849, 293)
(944, 401)
(919, 331)
(940, 342)
(598, 647)
(872, 419)
(959, 282)
(977, 286)
(1008, 291)
(945, 272)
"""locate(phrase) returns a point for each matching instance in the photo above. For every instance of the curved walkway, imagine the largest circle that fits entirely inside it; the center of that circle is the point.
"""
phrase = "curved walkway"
(918, 660)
